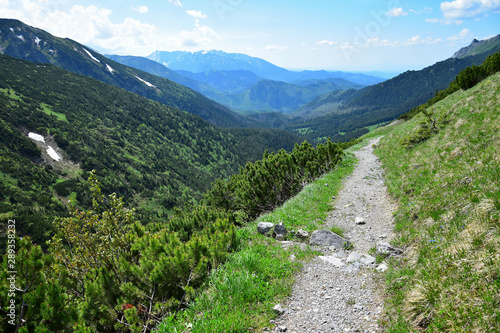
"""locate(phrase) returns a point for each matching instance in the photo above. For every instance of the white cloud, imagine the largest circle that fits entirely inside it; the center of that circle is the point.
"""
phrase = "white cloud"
(326, 43)
(201, 35)
(142, 9)
(87, 25)
(434, 20)
(175, 3)
(456, 10)
(426, 10)
(275, 48)
(396, 12)
(417, 40)
(196, 13)
(464, 35)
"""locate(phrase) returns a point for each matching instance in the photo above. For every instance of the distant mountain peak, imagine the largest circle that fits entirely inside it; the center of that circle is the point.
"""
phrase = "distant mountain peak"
(478, 47)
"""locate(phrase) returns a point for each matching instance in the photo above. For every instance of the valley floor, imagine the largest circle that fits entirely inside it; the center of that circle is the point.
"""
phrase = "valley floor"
(342, 291)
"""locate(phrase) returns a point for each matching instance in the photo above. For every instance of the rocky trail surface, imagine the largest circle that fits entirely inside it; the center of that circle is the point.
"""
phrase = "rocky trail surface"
(341, 290)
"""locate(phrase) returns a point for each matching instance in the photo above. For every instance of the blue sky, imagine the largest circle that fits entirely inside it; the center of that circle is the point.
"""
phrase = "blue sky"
(315, 34)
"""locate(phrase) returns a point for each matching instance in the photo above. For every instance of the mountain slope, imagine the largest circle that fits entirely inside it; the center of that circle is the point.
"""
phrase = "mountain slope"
(229, 82)
(155, 156)
(152, 67)
(28, 43)
(269, 95)
(491, 45)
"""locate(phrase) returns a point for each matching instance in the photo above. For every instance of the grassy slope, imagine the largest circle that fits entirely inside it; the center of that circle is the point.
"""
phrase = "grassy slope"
(448, 220)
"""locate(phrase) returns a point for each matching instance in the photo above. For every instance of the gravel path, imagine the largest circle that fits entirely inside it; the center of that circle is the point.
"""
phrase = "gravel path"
(341, 291)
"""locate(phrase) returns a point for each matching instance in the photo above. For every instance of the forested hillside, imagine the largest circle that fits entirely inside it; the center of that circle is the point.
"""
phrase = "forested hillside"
(22, 41)
(155, 156)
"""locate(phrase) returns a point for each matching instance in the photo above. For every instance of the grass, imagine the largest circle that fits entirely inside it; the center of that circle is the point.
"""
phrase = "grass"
(240, 295)
(448, 217)
(48, 110)
(11, 94)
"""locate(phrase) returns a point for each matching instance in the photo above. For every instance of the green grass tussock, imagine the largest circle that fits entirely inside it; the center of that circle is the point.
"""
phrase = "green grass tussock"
(447, 185)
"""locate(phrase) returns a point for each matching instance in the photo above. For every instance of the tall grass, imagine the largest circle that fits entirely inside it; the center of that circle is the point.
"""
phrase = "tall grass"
(448, 188)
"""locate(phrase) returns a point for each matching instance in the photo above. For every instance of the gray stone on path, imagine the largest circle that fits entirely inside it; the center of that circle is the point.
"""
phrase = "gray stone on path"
(333, 260)
(353, 256)
(384, 248)
(382, 267)
(360, 220)
(327, 238)
(279, 309)
(264, 227)
(367, 259)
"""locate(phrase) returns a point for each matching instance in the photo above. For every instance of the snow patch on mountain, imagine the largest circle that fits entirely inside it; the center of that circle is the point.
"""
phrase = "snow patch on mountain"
(146, 82)
(109, 68)
(36, 137)
(91, 56)
(52, 153)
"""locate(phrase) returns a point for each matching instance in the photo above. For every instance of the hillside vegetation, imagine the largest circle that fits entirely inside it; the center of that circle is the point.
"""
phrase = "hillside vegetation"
(155, 156)
(447, 185)
(106, 272)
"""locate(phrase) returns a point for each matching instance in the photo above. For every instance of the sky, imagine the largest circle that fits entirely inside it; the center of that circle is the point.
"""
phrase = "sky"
(353, 35)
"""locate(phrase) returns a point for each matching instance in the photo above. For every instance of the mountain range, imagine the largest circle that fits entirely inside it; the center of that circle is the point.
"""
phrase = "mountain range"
(22, 41)
(204, 61)
(312, 103)
(243, 89)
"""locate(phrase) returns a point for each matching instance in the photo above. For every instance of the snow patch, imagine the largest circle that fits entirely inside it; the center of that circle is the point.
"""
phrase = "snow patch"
(90, 55)
(36, 137)
(21, 37)
(108, 67)
(146, 82)
(11, 29)
(37, 41)
(52, 153)
(50, 50)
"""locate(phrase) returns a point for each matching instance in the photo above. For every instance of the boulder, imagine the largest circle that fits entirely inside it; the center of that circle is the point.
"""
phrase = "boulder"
(265, 227)
(327, 238)
(280, 231)
(386, 249)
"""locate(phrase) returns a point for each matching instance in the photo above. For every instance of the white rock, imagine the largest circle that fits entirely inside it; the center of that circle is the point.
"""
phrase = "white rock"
(353, 256)
(359, 220)
(333, 260)
(382, 267)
